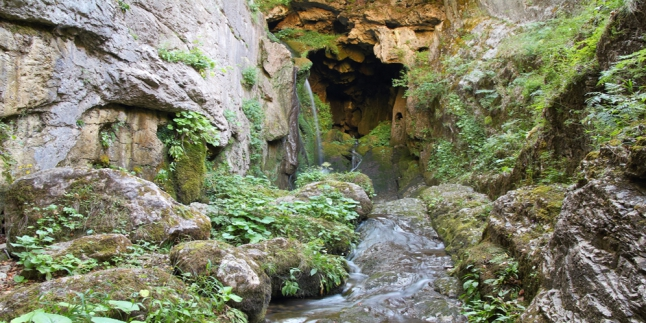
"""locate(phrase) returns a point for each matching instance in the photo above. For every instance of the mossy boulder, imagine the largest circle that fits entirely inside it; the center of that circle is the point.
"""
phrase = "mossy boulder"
(109, 200)
(119, 284)
(102, 247)
(458, 214)
(277, 258)
(233, 267)
(349, 190)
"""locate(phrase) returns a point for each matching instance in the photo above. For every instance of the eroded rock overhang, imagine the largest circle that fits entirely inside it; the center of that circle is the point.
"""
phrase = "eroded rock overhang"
(375, 41)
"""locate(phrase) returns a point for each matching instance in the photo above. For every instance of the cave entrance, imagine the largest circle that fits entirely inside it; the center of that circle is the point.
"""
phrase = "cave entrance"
(357, 85)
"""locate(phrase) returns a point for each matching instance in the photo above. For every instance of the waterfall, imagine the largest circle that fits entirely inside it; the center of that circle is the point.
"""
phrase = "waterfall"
(356, 157)
(319, 149)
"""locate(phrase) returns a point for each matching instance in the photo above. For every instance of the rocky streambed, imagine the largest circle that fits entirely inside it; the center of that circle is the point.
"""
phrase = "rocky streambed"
(399, 274)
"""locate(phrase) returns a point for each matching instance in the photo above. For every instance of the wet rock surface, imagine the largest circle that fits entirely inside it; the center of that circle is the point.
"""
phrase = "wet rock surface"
(394, 268)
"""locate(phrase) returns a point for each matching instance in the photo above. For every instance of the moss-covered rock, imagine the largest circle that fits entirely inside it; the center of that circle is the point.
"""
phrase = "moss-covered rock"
(119, 284)
(522, 222)
(109, 201)
(102, 247)
(233, 267)
(189, 173)
(459, 215)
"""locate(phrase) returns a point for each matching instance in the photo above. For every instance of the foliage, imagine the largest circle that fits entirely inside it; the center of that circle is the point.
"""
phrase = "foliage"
(379, 136)
(558, 51)
(266, 5)
(244, 211)
(424, 86)
(253, 110)
(191, 127)
(331, 206)
(308, 40)
(108, 135)
(290, 285)
(194, 58)
(50, 224)
(445, 162)
(124, 6)
(95, 307)
(249, 77)
(623, 101)
(331, 269)
(503, 304)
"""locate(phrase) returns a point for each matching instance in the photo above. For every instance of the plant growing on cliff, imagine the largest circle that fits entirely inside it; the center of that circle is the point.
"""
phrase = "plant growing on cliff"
(123, 5)
(253, 110)
(306, 40)
(191, 127)
(249, 77)
(194, 58)
(623, 101)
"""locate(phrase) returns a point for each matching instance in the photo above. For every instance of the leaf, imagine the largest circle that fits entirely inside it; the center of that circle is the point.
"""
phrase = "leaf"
(144, 293)
(42, 317)
(105, 320)
(18, 279)
(124, 306)
(313, 271)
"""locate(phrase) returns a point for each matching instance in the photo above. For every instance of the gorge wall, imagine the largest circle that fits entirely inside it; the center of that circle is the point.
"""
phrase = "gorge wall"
(79, 70)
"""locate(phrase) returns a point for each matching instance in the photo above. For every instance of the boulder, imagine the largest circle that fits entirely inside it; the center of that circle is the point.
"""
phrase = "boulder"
(109, 200)
(458, 214)
(230, 266)
(102, 247)
(119, 283)
(595, 269)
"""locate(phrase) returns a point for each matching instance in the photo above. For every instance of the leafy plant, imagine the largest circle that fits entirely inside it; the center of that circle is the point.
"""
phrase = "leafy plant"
(290, 286)
(123, 5)
(249, 77)
(194, 58)
(188, 126)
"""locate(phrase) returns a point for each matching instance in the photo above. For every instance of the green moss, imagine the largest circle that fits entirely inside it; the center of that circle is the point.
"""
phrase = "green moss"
(189, 172)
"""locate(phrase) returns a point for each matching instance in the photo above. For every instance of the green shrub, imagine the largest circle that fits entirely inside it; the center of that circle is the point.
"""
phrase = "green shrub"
(253, 110)
(249, 77)
(194, 58)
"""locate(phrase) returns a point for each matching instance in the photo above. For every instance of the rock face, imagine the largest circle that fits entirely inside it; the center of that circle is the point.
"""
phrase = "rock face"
(73, 69)
(595, 266)
(119, 283)
(522, 222)
(109, 200)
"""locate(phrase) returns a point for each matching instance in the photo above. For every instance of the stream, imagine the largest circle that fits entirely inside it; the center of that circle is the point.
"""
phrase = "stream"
(398, 274)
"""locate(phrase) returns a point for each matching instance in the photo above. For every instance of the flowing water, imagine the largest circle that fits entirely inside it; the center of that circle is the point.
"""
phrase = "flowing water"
(398, 274)
(319, 148)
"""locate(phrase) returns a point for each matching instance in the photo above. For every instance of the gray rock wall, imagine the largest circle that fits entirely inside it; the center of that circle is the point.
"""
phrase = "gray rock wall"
(88, 62)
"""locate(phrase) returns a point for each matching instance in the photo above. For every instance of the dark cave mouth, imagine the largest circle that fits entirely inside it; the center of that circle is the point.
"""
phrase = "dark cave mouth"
(358, 87)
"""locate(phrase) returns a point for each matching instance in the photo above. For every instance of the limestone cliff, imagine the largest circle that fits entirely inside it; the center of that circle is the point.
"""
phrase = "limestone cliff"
(75, 71)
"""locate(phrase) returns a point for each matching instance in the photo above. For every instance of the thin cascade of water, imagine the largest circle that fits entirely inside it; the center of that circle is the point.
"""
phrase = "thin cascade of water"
(319, 149)
(356, 157)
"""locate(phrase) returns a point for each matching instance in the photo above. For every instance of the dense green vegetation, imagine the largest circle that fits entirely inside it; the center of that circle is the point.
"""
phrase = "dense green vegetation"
(495, 118)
